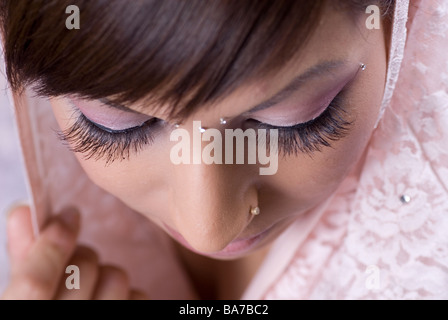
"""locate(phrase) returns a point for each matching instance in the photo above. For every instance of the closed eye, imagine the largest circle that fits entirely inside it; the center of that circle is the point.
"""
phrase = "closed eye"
(309, 137)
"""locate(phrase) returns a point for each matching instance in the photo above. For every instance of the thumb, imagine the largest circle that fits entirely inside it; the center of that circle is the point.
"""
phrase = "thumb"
(20, 233)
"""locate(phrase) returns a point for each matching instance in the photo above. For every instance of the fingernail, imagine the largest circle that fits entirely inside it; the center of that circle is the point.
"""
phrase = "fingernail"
(70, 218)
(15, 205)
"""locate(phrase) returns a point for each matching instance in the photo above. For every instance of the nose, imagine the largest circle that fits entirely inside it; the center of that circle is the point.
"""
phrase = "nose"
(211, 203)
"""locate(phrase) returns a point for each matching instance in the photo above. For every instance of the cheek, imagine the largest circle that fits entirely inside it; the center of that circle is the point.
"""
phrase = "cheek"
(305, 181)
(139, 182)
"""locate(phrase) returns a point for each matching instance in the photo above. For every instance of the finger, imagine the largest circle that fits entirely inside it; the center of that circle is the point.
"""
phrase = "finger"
(137, 295)
(20, 233)
(39, 274)
(113, 284)
(80, 283)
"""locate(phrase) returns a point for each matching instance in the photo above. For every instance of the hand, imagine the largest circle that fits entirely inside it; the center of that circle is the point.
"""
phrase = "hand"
(38, 265)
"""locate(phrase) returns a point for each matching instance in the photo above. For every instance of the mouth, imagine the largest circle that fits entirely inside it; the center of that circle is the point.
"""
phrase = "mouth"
(237, 247)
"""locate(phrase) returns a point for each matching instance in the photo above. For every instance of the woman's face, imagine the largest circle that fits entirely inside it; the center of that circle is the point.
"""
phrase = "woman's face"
(207, 207)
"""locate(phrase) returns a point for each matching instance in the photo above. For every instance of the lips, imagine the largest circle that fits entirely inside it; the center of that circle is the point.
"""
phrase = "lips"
(235, 248)
(240, 246)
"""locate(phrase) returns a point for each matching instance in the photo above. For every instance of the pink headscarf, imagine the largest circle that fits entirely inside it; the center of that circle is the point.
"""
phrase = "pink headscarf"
(382, 235)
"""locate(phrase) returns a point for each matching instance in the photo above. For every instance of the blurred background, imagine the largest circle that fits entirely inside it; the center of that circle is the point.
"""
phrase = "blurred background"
(12, 177)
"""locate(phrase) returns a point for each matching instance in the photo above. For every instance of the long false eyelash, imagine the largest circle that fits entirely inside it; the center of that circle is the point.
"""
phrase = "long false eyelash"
(93, 142)
(311, 136)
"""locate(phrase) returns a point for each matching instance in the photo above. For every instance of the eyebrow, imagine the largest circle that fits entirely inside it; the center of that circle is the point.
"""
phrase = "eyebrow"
(312, 72)
(114, 105)
(319, 69)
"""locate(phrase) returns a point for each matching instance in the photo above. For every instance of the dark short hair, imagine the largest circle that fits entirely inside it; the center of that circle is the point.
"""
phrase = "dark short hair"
(184, 53)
